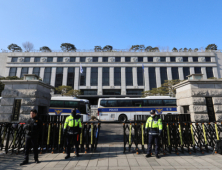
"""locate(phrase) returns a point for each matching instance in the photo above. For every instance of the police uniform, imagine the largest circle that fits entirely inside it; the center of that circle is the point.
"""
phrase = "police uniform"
(73, 125)
(154, 125)
(33, 128)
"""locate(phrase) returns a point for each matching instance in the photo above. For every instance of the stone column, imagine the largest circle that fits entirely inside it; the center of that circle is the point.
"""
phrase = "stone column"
(54, 59)
(18, 74)
(192, 70)
(111, 76)
(53, 74)
(203, 71)
(30, 70)
(100, 59)
(135, 76)
(146, 79)
(76, 81)
(169, 73)
(215, 72)
(32, 59)
(88, 73)
(145, 59)
(100, 87)
(217, 101)
(41, 74)
(167, 59)
(158, 80)
(123, 81)
(7, 71)
(77, 59)
(122, 59)
(180, 70)
(190, 59)
(65, 75)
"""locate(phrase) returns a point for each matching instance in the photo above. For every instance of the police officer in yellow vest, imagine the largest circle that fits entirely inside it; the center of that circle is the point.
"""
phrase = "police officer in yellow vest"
(73, 126)
(154, 126)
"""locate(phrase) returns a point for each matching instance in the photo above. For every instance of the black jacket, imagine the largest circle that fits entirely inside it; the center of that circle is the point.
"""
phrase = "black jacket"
(33, 127)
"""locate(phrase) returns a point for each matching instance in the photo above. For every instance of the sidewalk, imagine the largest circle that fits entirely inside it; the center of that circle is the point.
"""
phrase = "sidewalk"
(112, 157)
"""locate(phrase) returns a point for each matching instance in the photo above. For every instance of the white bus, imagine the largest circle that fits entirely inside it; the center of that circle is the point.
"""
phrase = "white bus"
(123, 109)
(64, 105)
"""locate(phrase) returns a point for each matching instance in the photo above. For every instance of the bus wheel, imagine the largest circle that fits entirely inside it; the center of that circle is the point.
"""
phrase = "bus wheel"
(122, 118)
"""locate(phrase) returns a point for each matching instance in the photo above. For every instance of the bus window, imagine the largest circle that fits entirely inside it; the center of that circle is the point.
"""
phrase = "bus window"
(71, 104)
(168, 102)
(124, 103)
(138, 103)
(56, 103)
(155, 102)
(111, 103)
(103, 103)
(82, 107)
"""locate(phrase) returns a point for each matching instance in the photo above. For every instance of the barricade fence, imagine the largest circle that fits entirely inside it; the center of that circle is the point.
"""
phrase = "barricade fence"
(178, 135)
(51, 139)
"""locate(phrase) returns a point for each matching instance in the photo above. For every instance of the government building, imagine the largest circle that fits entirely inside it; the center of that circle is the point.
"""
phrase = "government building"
(110, 74)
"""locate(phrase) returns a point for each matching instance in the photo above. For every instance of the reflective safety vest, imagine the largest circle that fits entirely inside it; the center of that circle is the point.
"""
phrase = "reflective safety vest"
(72, 123)
(154, 124)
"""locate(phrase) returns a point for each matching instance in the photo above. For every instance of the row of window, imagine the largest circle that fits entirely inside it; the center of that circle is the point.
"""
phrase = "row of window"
(105, 59)
(106, 75)
(113, 92)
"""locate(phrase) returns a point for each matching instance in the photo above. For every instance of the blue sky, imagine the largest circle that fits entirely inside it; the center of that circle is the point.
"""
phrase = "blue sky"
(120, 23)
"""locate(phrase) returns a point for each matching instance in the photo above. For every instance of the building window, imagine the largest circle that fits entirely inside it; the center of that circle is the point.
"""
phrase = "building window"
(59, 59)
(24, 71)
(105, 59)
(163, 74)
(27, 59)
(14, 59)
(129, 76)
(172, 59)
(37, 59)
(89, 92)
(95, 59)
(82, 59)
(105, 77)
(150, 59)
(13, 71)
(175, 73)
(197, 70)
(36, 71)
(71, 77)
(140, 59)
(152, 77)
(83, 77)
(49, 59)
(47, 75)
(59, 76)
(195, 59)
(134, 92)
(94, 76)
(117, 76)
(72, 59)
(140, 76)
(208, 59)
(111, 92)
(127, 59)
(162, 59)
(209, 71)
(186, 72)
(185, 59)
(117, 59)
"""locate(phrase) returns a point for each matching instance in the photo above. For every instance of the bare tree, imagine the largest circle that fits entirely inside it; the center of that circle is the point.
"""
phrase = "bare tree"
(28, 46)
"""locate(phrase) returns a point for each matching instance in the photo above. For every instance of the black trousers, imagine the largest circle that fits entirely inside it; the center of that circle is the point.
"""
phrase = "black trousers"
(153, 138)
(31, 142)
(72, 137)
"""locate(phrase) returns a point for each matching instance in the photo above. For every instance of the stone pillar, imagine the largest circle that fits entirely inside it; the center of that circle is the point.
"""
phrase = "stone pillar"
(135, 76)
(122, 59)
(203, 70)
(158, 80)
(30, 70)
(41, 74)
(145, 59)
(169, 73)
(77, 59)
(54, 59)
(190, 59)
(167, 59)
(192, 70)
(111, 76)
(123, 81)
(7, 69)
(32, 59)
(146, 79)
(88, 73)
(217, 101)
(180, 70)
(18, 74)
(100, 87)
(53, 74)
(76, 81)
(100, 59)
(215, 72)
(65, 76)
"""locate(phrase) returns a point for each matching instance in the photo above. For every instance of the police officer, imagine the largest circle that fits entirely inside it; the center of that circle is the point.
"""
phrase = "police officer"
(154, 125)
(33, 128)
(73, 125)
